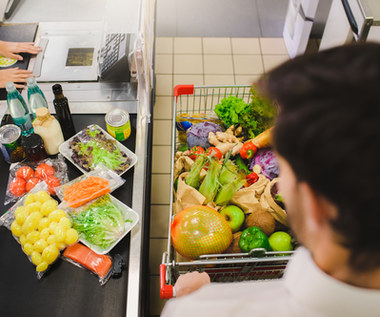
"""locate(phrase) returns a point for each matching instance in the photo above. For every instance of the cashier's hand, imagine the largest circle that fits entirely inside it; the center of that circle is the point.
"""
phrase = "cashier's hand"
(190, 282)
(10, 49)
(15, 75)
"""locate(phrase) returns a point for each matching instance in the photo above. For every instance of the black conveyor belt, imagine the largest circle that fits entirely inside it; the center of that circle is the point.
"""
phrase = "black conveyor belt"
(65, 290)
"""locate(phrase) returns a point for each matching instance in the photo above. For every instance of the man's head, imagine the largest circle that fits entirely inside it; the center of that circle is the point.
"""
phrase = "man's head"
(328, 132)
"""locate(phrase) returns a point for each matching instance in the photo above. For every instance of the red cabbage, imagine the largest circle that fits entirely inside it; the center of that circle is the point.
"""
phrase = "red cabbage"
(197, 135)
(267, 161)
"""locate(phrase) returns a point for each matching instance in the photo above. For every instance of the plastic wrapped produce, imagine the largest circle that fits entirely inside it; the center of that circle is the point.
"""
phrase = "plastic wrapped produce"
(89, 186)
(24, 176)
(40, 227)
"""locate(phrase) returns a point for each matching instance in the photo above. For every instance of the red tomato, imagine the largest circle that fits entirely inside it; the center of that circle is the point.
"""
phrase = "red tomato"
(43, 170)
(17, 186)
(25, 172)
(195, 151)
(213, 151)
(31, 183)
(52, 183)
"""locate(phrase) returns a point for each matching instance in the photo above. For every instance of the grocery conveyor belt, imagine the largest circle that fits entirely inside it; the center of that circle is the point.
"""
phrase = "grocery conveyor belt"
(65, 290)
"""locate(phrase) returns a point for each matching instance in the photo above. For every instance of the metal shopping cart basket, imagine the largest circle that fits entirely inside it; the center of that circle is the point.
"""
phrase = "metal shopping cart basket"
(259, 264)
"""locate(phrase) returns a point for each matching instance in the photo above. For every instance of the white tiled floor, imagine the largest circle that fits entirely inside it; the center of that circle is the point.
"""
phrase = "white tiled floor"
(198, 61)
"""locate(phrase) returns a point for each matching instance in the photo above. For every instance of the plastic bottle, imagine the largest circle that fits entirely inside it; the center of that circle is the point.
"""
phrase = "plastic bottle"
(18, 109)
(36, 97)
(48, 128)
(62, 111)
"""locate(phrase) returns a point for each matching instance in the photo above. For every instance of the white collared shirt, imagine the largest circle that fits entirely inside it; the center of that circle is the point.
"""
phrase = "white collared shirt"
(304, 291)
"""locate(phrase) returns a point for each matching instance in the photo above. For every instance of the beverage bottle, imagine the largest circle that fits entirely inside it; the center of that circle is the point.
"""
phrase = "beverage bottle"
(36, 97)
(18, 109)
(48, 128)
(62, 111)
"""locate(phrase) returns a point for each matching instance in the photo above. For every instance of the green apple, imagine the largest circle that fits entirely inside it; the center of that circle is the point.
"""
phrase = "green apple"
(234, 216)
(280, 241)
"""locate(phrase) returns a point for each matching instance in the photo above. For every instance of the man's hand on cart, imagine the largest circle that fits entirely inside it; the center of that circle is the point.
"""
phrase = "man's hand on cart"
(190, 282)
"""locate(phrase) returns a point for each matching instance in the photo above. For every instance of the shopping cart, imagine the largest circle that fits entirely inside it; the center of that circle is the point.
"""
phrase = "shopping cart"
(259, 264)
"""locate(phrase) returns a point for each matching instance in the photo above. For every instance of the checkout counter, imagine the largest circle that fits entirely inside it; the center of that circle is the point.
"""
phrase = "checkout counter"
(75, 36)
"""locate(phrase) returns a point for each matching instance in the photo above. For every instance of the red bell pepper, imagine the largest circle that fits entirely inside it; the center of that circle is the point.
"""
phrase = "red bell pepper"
(215, 152)
(195, 151)
(251, 179)
(248, 150)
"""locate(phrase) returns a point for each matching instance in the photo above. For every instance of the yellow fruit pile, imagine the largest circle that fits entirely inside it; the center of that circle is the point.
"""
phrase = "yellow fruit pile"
(42, 229)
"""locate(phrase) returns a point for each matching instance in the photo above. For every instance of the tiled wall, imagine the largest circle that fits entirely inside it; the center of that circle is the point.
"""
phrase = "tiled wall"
(198, 61)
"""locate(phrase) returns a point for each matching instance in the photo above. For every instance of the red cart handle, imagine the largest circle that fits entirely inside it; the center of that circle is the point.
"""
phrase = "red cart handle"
(183, 90)
(166, 291)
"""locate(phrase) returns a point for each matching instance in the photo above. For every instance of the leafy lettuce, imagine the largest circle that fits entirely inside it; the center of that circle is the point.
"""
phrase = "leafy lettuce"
(254, 118)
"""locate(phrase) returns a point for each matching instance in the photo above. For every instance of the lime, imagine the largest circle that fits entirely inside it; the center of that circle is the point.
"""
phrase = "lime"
(281, 241)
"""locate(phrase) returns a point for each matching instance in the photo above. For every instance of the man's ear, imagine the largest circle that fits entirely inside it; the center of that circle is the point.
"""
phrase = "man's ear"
(316, 208)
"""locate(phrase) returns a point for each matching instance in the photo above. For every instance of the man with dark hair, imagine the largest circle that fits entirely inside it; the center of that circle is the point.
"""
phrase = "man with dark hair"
(327, 138)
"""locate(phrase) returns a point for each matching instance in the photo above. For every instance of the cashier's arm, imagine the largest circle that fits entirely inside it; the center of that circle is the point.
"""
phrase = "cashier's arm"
(190, 282)
(11, 49)
(14, 75)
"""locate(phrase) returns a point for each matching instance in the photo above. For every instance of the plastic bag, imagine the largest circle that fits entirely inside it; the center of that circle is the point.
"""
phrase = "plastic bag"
(39, 227)
(25, 175)
(98, 264)
(89, 186)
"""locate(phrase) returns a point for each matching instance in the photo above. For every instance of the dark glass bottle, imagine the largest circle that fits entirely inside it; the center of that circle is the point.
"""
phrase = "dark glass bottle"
(33, 147)
(63, 113)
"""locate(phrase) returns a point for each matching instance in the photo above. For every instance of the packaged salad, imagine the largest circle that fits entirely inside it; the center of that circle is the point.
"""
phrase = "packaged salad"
(93, 146)
(102, 223)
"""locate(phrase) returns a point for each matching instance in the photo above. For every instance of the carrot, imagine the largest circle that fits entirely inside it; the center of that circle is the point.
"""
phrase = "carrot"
(98, 264)
(82, 192)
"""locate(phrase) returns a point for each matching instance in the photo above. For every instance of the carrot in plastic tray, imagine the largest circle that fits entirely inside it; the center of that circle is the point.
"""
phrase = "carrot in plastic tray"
(83, 256)
(88, 189)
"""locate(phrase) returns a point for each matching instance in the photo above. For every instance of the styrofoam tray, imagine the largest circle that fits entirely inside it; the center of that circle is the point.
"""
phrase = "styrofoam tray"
(67, 152)
(128, 213)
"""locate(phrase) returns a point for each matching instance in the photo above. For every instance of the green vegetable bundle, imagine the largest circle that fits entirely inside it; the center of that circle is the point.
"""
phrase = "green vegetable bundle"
(254, 118)
(220, 183)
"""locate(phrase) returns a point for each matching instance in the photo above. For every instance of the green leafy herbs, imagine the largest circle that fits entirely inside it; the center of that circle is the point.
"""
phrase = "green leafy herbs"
(254, 118)
(91, 147)
(101, 224)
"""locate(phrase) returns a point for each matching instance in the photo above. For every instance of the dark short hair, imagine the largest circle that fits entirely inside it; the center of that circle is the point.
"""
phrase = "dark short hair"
(328, 130)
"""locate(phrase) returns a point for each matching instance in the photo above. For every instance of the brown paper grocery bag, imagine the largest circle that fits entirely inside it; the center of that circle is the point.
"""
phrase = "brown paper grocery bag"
(182, 164)
(268, 203)
(186, 196)
(248, 198)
